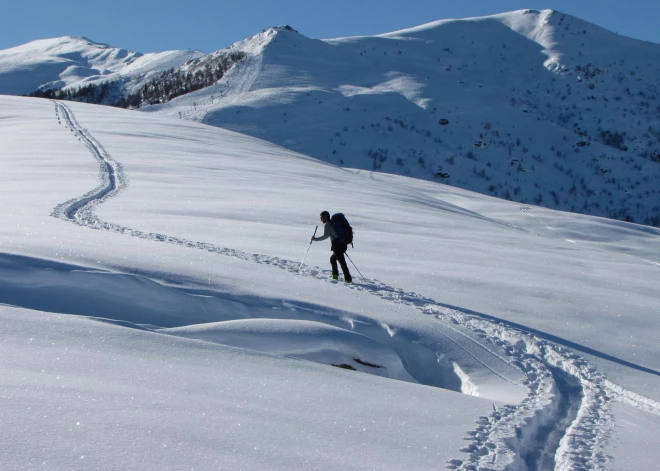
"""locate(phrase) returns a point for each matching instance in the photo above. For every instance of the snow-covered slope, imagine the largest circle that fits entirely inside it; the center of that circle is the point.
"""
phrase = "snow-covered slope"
(154, 312)
(76, 61)
(532, 106)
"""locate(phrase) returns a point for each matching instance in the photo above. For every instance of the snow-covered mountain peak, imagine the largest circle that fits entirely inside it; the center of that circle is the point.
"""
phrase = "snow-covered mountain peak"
(58, 43)
(70, 48)
(534, 25)
(564, 39)
(519, 20)
(570, 41)
(257, 43)
(72, 61)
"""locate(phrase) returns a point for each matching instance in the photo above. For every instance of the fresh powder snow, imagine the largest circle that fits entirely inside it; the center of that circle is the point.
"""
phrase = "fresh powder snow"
(154, 313)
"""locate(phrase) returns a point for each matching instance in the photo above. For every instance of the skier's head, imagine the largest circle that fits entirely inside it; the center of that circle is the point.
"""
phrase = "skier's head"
(325, 217)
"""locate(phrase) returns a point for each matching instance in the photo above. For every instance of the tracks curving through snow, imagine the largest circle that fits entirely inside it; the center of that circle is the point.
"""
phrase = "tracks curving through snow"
(111, 176)
(561, 424)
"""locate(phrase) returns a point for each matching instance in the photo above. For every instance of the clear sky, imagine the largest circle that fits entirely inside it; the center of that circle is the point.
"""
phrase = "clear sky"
(159, 25)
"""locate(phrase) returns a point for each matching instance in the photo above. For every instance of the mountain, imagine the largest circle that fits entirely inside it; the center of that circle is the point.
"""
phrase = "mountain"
(155, 313)
(537, 107)
(73, 62)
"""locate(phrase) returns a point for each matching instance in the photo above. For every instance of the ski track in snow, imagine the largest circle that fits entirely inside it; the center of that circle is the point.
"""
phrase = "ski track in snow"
(561, 424)
(526, 211)
(111, 175)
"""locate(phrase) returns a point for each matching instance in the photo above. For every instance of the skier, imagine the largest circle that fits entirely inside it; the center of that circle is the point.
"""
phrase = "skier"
(337, 246)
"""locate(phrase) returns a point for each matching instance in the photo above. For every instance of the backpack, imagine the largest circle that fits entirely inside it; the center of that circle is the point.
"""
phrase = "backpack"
(342, 228)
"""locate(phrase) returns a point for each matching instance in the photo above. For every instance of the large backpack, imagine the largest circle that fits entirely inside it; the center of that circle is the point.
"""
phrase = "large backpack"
(342, 228)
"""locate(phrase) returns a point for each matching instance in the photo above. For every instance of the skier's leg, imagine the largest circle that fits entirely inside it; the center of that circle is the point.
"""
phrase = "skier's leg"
(344, 267)
(333, 263)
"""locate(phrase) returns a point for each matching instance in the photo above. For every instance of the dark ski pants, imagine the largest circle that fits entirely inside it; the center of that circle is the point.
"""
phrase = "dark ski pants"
(338, 251)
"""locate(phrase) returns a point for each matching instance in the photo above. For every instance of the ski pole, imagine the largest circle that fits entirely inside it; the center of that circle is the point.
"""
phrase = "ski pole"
(310, 244)
(356, 267)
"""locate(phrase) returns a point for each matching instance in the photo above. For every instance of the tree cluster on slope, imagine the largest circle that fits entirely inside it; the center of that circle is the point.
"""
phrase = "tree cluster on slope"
(91, 93)
(173, 83)
(160, 89)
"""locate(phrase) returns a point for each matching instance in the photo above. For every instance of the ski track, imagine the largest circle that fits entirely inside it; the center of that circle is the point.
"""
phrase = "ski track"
(111, 175)
(526, 211)
(571, 423)
(244, 73)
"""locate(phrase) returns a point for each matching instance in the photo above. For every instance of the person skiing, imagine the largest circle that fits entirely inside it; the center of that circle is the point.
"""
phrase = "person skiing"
(337, 246)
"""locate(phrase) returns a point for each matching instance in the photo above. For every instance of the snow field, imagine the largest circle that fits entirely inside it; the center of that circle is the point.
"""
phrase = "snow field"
(180, 180)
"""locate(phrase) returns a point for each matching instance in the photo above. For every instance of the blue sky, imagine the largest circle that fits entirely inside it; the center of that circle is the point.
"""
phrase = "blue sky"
(159, 25)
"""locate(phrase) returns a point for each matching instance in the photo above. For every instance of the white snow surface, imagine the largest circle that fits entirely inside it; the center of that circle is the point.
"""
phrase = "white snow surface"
(154, 313)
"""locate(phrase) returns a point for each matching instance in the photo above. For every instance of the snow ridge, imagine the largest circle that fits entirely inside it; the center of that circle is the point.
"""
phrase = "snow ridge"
(566, 413)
